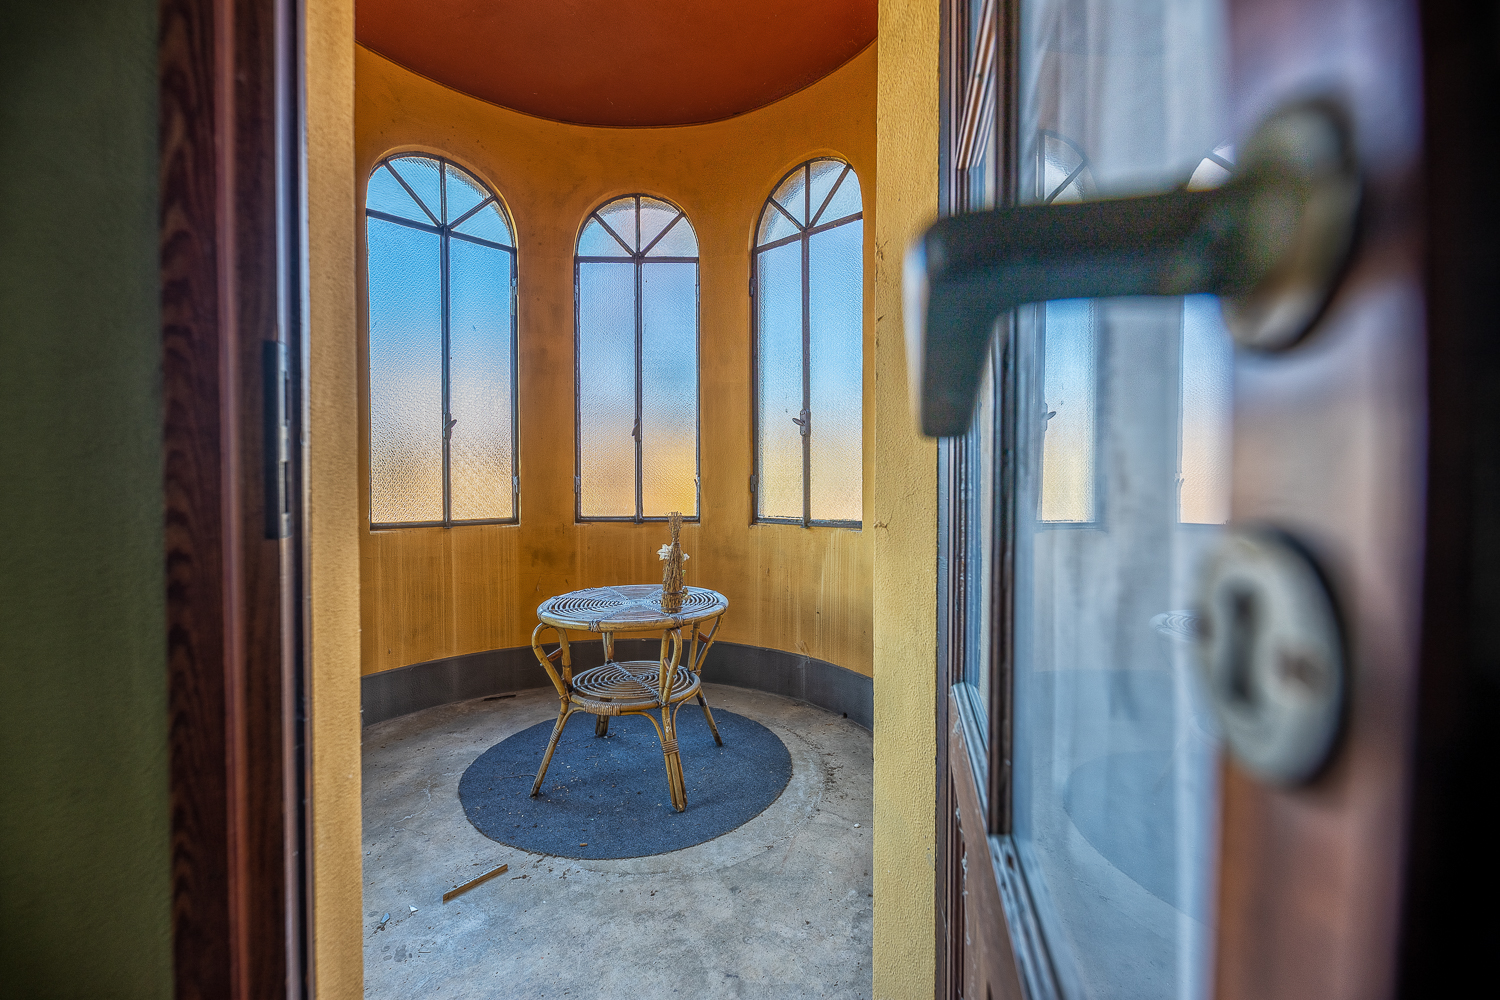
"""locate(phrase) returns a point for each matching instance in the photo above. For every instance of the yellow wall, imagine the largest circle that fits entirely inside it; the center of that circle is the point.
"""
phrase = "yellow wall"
(904, 519)
(333, 510)
(435, 592)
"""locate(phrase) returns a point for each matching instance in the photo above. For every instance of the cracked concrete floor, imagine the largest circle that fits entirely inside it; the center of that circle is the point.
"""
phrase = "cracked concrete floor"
(779, 907)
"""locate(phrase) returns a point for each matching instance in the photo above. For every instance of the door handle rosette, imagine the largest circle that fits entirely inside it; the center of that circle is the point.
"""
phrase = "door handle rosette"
(1272, 242)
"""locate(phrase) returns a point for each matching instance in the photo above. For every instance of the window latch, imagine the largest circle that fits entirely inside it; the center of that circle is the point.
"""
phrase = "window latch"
(635, 431)
(448, 428)
(804, 422)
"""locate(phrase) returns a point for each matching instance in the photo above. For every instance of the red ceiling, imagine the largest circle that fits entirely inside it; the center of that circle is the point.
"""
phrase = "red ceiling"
(620, 62)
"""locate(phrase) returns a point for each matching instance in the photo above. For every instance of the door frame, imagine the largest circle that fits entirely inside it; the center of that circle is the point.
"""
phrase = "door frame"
(232, 251)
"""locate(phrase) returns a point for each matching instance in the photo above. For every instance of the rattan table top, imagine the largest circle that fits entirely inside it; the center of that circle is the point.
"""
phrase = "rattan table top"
(628, 609)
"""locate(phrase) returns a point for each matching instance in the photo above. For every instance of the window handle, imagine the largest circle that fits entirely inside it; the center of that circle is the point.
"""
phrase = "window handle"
(635, 431)
(1272, 241)
(803, 422)
(448, 428)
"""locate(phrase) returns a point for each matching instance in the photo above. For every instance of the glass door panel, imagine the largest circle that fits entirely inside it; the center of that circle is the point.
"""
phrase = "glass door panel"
(1121, 485)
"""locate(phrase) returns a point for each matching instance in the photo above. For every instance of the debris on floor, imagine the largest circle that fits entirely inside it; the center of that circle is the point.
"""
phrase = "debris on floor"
(460, 889)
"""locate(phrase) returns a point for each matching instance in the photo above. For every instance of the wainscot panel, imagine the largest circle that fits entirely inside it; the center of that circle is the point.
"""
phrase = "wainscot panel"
(390, 693)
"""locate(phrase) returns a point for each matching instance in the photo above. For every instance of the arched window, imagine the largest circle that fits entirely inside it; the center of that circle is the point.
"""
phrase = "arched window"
(808, 312)
(636, 280)
(442, 269)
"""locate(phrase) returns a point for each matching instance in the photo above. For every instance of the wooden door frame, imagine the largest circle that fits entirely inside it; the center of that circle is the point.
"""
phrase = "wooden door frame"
(972, 808)
(231, 252)
(1448, 924)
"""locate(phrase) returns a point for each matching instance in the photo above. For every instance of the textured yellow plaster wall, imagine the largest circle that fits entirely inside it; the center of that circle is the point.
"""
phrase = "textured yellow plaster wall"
(904, 518)
(333, 505)
(433, 592)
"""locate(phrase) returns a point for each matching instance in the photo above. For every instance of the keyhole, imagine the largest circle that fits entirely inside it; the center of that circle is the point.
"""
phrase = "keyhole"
(1244, 619)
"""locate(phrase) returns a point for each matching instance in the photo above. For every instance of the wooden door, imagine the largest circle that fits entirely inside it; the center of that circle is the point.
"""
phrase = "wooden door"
(1096, 837)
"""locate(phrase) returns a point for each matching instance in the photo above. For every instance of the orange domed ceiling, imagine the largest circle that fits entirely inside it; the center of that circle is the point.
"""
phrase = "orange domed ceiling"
(620, 62)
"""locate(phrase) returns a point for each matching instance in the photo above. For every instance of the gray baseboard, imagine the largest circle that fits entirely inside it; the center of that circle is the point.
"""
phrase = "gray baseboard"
(392, 693)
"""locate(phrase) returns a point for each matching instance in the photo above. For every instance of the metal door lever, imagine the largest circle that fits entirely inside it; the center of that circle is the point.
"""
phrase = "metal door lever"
(1272, 241)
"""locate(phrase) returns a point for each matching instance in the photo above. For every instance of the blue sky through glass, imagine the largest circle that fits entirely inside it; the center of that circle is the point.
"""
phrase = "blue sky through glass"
(1207, 412)
(1069, 387)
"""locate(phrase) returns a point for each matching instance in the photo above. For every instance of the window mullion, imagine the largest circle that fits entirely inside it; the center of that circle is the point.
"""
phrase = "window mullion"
(806, 382)
(639, 431)
(447, 379)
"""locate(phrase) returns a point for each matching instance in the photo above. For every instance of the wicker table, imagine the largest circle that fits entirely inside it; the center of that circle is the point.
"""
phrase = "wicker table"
(633, 687)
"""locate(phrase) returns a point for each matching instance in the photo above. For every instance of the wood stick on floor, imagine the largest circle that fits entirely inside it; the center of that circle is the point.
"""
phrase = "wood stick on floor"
(457, 890)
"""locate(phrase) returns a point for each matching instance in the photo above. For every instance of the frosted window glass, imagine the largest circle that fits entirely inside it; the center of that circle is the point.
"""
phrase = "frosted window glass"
(597, 242)
(606, 388)
(463, 192)
(1114, 766)
(406, 374)
(779, 393)
(1207, 412)
(774, 225)
(488, 224)
(479, 382)
(981, 537)
(845, 201)
(679, 241)
(825, 174)
(655, 216)
(836, 297)
(385, 194)
(424, 176)
(1068, 449)
(620, 216)
(669, 389)
(792, 194)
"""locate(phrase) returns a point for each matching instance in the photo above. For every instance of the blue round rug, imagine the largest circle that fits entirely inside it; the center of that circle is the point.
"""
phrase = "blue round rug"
(608, 798)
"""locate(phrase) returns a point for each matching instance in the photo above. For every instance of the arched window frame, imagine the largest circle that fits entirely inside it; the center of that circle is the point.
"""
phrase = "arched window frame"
(446, 232)
(640, 257)
(803, 234)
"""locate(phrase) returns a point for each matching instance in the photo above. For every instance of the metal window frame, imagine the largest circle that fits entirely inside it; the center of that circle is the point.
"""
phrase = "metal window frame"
(445, 233)
(803, 236)
(638, 259)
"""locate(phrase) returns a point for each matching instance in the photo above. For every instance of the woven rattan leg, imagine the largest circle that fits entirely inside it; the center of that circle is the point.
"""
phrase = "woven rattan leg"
(562, 718)
(601, 726)
(672, 758)
(710, 717)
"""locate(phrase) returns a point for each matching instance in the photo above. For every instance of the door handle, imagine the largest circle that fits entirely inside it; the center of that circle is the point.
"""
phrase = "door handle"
(1272, 241)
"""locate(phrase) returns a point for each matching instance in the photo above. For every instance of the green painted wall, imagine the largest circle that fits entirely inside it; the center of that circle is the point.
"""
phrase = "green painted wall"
(84, 860)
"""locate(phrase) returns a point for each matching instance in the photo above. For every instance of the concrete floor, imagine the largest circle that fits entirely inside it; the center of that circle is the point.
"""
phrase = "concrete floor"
(779, 907)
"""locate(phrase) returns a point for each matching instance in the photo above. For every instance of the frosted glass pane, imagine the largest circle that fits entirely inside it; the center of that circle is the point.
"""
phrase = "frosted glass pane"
(488, 224)
(620, 216)
(479, 381)
(793, 194)
(679, 241)
(1068, 445)
(385, 194)
(406, 374)
(463, 192)
(655, 216)
(773, 226)
(1207, 412)
(423, 176)
(778, 303)
(845, 200)
(669, 389)
(835, 301)
(1061, 160)
(606, 388)
(825, 174)
(596, 242)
